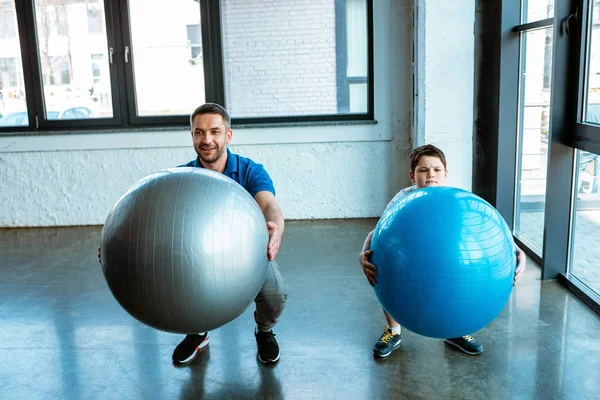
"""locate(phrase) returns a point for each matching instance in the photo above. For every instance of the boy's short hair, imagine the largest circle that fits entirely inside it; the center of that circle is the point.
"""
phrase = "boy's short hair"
(212, 108)
(426, 150)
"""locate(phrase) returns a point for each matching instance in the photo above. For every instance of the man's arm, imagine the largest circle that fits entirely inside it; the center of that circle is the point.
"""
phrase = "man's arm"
(275, 222)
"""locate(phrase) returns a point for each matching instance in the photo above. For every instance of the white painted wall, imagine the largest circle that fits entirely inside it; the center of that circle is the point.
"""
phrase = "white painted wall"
(344, 171)
(445, 75)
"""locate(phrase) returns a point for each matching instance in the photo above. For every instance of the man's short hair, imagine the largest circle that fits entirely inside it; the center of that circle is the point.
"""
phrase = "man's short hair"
(212, 108)
(426, 150)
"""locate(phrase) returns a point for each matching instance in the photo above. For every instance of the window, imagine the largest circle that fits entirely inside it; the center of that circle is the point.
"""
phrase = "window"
(534, 114)
(585, 248)
(549, 63)
(8, 21)
(275, 70)
(165, 81)
(536, 10)
(585, 134)
(12, 85)
(194, 42)
(355, 48)
(592, 110)
(285, 62)
(9, 72)
(95, 17)
(66, 49)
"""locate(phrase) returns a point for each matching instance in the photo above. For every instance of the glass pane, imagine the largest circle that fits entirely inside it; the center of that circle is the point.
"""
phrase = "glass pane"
(167, 56)
(13, 107)
(593, 68)
(74, 58)
(585, 250)
(535, 10)
(533, 137)
(358, 97)
(285, 58)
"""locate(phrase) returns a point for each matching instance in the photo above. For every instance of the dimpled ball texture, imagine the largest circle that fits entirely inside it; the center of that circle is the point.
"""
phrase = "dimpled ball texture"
(184, 250)
(445, 260)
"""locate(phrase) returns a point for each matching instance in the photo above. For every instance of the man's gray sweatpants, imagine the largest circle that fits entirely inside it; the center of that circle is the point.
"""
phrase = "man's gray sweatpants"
(271, 299)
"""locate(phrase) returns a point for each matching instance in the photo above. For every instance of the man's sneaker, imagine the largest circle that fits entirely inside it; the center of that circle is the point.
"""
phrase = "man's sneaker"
(386, 343)
(268, 349)
(467, 344)
(187, 350)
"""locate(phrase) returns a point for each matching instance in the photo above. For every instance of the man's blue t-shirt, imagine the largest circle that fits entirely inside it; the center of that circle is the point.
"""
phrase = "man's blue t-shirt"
(252, 176)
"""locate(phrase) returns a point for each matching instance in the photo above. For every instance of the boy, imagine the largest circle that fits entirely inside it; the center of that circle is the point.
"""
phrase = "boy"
(427, 168)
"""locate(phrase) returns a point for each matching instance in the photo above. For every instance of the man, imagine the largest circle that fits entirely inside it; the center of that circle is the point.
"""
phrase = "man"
(211, 134)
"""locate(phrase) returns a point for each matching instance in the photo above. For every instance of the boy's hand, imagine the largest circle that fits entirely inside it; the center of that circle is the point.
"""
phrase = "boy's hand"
(369, 269)
(521, 265)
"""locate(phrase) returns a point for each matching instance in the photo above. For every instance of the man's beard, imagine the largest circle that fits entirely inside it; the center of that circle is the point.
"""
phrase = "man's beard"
(212, 159)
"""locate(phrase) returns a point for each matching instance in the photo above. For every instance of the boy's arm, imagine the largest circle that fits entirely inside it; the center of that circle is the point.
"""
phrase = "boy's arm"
(369, 269)
(521, 264)
(367, 244)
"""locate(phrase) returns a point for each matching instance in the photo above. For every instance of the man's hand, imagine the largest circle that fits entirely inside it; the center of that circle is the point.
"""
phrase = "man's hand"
(274, 240)
(521, 265)
(369, 269)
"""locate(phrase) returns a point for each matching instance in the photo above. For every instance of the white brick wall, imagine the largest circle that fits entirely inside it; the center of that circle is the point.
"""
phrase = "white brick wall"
(280, 57)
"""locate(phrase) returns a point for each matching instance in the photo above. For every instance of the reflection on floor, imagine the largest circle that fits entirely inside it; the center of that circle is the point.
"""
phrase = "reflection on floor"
(63, 336)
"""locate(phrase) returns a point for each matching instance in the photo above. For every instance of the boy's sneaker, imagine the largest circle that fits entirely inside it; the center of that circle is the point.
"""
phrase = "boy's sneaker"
(386, 343)
(268, 349)
(467, 344)
(187, 350)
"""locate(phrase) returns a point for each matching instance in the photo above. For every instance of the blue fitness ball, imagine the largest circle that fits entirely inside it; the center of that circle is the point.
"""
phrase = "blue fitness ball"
(446, 262)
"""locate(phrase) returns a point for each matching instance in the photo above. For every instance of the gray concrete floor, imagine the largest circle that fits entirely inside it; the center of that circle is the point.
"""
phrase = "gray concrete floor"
(63, 336)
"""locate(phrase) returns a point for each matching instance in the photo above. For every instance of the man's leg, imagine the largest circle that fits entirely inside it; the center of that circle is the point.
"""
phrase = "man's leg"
(270, 303)
(187, 350)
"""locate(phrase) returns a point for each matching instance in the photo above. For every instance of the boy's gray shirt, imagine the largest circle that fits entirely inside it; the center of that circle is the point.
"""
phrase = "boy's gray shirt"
(399, 196)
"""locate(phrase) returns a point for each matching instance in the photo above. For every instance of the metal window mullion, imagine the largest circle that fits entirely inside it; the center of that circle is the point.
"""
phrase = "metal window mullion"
(32, 71)
(584, 57)
(561, 162)
(531, 26)
(118, 97)
(508, 111)
(585, 137)
(341, 53)
(212, 51)
(124, 20)
(520, 130)
(371, 56)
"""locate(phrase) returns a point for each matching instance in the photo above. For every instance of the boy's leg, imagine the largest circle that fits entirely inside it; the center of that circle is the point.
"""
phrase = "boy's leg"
(390, 321)
(390, 339)
(466, 344)
(270, 303)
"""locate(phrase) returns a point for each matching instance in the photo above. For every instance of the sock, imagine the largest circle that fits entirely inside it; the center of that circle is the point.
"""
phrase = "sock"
(256, 330)
(395, 330)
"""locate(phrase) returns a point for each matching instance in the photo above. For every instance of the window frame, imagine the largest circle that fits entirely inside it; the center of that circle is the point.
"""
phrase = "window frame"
(125, 118)
(567, 133)
(585, 135)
